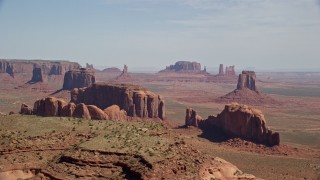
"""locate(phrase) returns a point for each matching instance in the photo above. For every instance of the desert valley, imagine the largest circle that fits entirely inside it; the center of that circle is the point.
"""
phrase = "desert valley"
(59, 120)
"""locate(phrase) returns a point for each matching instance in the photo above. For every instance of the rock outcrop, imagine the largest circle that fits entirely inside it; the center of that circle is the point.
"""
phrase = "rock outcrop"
(6, 67)
(240, 121)
(37, 74)
(192, 118)
(78, 78)
(184, 66)
(135, 100)
(247, 92)
(115, 113)
(221, 169)
(26, 110)
(124, 76)
(81, 111)
(52, 106)
(230, 71)
(221, 70)
(247, 80)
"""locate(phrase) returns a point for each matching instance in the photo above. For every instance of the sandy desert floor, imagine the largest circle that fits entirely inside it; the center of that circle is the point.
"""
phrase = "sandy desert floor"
(52, 146)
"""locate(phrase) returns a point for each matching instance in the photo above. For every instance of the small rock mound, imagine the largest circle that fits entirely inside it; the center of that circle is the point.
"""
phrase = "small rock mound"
(26, 110)
(239, 121)
(114, 112)
(221, 169)
(78, 78)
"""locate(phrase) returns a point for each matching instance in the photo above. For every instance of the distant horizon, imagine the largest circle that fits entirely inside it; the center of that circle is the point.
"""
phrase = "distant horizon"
(153, 69)
(263, 34)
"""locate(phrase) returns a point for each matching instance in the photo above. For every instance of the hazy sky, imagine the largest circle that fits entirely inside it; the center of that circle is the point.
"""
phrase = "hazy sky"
(265, 34)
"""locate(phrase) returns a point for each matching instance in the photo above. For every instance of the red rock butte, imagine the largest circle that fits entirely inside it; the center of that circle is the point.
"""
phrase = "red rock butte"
(78, 78)
(135, 100)
(236, 121)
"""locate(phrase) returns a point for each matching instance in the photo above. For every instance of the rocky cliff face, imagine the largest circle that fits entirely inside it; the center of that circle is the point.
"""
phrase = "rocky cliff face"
(27, 66)
(241, 121)
(135, 100)
(78, 78)
(247, 80)
(183, 66)
(6, 67)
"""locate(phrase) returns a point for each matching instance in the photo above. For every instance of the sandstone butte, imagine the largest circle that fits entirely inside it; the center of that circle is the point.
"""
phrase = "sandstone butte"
(135, 100)
(229, 71)
(78, 78)
(236, 121)
(102, 101)
(247, 91)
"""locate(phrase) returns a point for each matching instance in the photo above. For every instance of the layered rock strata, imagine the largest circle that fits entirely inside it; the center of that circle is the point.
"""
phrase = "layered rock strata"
(135, 100)
(183, 66)
(78, 78)
(238, 121)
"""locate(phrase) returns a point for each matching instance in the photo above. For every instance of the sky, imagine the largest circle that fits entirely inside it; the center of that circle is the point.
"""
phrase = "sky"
(250, 34)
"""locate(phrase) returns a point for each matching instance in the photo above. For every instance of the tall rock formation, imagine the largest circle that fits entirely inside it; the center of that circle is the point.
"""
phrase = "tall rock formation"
(239, 121)
(78, 78)
(221, 70)
(6, 67)
(230, 71)
(124, 76)
(37, 75)
(247, 80)
(135, 100)
(184, 66)
(247, 92)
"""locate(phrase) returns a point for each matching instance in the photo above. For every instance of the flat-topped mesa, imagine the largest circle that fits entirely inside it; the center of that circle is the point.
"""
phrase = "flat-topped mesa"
(241, 121)
(184, 66)
(135, 100)
(78, 78)
(6, 67)
(48, 67)
(247, 80)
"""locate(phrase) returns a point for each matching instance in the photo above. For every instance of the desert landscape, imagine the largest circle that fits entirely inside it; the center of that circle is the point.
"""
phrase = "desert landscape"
(89, 123)
(160, 89)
